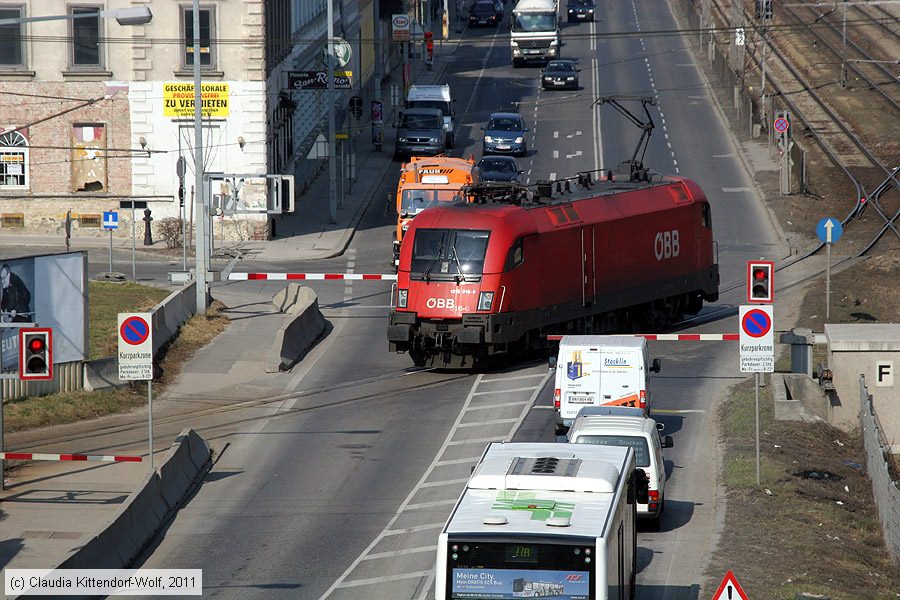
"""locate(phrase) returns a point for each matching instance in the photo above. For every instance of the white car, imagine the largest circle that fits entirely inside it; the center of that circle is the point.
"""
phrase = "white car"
(623, 426)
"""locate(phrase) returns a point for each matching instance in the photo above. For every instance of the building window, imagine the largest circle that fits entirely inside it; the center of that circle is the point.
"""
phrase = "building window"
(207, 32)
(12, 52)
(86, 31)
(88, 157)
(13, 160)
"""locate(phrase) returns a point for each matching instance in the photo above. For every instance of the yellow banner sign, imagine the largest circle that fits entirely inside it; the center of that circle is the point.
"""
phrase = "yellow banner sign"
(178, 99)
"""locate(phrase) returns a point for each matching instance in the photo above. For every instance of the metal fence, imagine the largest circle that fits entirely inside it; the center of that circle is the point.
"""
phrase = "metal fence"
(887, 494)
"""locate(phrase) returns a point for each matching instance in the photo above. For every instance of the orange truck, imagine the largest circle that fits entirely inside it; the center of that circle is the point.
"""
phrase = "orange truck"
(426, 181)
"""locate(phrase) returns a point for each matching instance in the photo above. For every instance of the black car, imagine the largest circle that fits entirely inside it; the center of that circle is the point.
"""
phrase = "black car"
(560, 75)
(483, 12)
(580, 10)
(499, 168)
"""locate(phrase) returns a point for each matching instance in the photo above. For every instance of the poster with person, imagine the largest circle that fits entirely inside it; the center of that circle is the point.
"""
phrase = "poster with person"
(51, 291)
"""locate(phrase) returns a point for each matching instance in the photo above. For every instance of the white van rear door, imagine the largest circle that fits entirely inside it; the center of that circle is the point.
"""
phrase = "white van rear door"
(580, 380)
(620, 377)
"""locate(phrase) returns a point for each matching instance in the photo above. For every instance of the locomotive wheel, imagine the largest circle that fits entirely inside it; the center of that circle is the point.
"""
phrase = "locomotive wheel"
(418, 356)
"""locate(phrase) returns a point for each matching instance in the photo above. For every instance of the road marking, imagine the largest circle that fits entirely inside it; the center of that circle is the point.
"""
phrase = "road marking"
(385, 579)
(491, 422)
(556, 154)
(555, 135)
(571, 135)
(737, 190)
(414, 529)
(723, 155)
(593, 35)
(677, 411)
(434, 484)
(396, 553)
(458, 461)
(484, 63)
(697, 97)
(577, 153)
(549, 407)
(498, 405)
(487, 440)
(432, 504)
(496, 379)
(524, 389)
(553, 176)
(684, 65)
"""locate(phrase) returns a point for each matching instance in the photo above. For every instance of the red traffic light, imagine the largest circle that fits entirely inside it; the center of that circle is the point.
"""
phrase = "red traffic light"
(36, 344)
(35, 353)
(760, 286)
(759, 274)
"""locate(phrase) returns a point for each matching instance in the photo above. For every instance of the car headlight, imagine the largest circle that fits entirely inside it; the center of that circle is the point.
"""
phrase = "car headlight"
(591, 10)
(548, 79)
(485, 299)
(571, 11)
(401, 139)
(488, 139)
(570, 79)
(402, 298)
(519, 139)
(433, 140)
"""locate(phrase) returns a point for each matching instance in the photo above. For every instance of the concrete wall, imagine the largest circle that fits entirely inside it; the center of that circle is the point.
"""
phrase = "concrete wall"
(855, 350)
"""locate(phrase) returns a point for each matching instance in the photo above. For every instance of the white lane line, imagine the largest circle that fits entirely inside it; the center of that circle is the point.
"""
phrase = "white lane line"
(736, 190)
(340, 580)
(377, 580)
(496, 379)
(484, 63)
(415, 528)
(396, 553)
(498, 405)
(486, 440)
(723, 155)
(555, 135)
(491, 422)
(553, 176)
(593, 35)
(524, 389)
(458, 461)
(556, 154)
(434, 484)
(432, 504)
(697, 97)
(677, 411)
(577, 153)
(550, 407)
(684, 65)
(571, 135)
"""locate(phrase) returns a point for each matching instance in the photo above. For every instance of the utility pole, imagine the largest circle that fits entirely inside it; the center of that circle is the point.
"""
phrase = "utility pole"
(332, 133)
(201, 214)
(844, 51)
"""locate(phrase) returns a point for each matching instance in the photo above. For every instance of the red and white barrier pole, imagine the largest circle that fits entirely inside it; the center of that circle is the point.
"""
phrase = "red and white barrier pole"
(674, 337)
(77, 457)
(311, 276)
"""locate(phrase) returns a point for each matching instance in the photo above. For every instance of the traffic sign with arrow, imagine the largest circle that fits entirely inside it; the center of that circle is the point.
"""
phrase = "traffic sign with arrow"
(829, 230)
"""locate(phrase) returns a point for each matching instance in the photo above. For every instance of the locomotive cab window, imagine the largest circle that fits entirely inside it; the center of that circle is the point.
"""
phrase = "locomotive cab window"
(706, 217)
(515, 257)
(448, 253)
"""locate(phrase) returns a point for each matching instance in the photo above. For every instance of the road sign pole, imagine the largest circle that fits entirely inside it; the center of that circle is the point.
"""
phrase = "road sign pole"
(150, 419)
(828, 281)
(133, 275)
(757, 429)
(332, 128)
(110, 250)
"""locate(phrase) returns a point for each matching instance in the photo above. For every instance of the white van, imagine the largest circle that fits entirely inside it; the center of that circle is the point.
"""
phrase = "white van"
(621, 426)
(435, 96)
(596, 370)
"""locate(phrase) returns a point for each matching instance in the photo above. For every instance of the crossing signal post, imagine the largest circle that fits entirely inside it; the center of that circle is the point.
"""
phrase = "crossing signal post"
(760, 282)
(35, 354)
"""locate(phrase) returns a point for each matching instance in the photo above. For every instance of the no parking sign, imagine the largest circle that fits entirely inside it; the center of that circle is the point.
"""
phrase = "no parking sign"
(135, 346)
(757, 339)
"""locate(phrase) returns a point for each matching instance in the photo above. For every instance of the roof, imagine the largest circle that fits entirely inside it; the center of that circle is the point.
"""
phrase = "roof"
(611, 425)
(429, 92)
(623, 341)
(863, 337)
(504, 115)
(528, 483)
(535, 5)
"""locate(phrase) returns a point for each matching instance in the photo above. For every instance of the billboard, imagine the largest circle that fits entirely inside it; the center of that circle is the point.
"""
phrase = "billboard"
(51, 291)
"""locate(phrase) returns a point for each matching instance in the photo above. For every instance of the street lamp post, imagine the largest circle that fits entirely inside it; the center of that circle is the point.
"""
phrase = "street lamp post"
(202, 216)
(332, 145)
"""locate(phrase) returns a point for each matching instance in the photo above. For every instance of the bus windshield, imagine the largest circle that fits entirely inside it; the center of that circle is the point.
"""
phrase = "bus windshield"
(414, 201)
(448, 253)
(500, 570)
(533, 22)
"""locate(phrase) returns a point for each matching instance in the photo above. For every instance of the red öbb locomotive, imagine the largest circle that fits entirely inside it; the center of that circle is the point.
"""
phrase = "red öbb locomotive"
(477, 280)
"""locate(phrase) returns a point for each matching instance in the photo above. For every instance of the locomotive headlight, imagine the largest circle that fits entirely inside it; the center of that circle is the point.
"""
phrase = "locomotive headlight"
(402, 298)
(485, 299)
(519, 139)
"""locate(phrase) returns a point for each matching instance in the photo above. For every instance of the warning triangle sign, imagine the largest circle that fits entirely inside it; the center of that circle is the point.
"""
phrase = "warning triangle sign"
(730, 589)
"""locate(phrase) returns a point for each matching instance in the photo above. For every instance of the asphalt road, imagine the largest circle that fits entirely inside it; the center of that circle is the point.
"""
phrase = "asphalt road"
(346, 500)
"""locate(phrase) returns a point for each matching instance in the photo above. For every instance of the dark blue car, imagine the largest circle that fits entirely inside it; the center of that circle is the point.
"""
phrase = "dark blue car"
(499, 168)
(505, 134)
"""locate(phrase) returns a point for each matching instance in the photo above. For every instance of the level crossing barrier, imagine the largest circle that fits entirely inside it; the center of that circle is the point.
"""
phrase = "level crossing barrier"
(87, 457)
(311, 276)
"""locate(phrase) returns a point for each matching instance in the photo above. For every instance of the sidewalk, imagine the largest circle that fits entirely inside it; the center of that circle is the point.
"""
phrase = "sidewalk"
(50, 508)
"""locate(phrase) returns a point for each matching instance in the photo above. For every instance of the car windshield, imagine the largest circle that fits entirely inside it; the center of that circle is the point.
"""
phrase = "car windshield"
(581, 3)
(641, 449)
(448, 253)
(561, 67)
(420, 122)
(442, 106)
(483, 8)
(498, 166)
(415, 201)
(534, 22)
(505, 124)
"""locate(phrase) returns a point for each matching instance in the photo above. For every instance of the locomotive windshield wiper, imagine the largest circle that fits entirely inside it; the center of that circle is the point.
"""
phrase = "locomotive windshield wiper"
(427, 274)
(458, 265)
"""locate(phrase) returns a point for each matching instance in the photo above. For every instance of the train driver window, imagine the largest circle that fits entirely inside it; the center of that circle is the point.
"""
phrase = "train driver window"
(706, 217)
(515, 257)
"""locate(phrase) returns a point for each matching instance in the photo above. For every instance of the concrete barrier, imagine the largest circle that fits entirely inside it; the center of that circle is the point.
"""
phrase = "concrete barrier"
(301, 328)
(170, 314)
(797, 398)
(145, 511)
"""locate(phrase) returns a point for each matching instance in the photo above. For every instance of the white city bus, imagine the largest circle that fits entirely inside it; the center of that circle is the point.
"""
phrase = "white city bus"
(541, 520)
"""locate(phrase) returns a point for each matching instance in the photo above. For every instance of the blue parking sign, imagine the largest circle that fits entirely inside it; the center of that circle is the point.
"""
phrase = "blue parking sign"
(110, 220)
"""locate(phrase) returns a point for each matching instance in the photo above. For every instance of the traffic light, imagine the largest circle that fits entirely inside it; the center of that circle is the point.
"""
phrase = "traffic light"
(760, 285)
(35, 353)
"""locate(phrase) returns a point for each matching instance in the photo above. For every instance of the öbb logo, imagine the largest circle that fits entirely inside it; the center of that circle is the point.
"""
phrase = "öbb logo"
(666, 244)
(447, 303)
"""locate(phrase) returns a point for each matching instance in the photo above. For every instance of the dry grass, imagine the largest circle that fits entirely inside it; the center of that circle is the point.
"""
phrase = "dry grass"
(105, 302)
(69, 407)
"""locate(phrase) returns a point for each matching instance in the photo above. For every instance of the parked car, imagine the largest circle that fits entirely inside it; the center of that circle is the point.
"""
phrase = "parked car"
(624, 426)
(580, 10)
(499, 168)
(560, 75)
(484, 12)
(505, 134)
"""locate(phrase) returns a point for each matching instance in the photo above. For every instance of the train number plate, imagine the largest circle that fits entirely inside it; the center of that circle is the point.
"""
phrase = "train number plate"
(581, 399)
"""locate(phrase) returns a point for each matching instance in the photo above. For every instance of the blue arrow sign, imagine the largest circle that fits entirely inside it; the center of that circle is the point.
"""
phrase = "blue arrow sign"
(829, 230)
(110, 220)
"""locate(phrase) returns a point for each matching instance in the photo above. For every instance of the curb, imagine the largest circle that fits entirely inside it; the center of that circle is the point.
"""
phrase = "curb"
(159, 495)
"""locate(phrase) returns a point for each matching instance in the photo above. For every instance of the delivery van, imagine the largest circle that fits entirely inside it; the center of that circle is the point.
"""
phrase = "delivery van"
(629, 427)
(600, 370)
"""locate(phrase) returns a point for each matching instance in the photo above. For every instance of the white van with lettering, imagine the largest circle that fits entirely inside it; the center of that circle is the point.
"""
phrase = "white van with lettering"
(600, 370)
